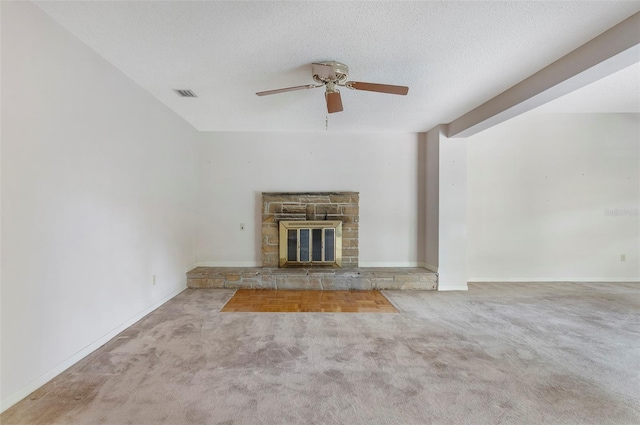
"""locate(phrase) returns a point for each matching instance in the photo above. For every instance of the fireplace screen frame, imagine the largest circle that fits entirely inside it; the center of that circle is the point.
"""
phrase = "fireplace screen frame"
(312, 248)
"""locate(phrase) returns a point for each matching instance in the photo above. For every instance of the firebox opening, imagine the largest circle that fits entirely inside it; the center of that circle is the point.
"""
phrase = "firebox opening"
(305, 243)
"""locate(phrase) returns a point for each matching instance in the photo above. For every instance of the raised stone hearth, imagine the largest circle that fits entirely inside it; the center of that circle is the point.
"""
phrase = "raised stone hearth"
(315, 279)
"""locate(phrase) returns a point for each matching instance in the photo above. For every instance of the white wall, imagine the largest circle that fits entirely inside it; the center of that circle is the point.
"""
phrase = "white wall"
(539, 189)
(98, 190)
(236, 167)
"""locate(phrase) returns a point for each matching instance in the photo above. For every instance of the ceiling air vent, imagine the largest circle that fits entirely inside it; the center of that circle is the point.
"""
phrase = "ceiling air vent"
(185, 93)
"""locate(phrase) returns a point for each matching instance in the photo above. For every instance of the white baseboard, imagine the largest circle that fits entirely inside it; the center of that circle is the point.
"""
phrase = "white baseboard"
(546, 279)
(75, 358)
(389, 264)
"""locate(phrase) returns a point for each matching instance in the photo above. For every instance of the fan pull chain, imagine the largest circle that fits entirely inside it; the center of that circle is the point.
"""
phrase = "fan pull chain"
(326, 123)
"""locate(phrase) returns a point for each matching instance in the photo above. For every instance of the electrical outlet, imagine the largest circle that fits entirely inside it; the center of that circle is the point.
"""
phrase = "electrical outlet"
(623, 258)
(154, 279)
(242, 226)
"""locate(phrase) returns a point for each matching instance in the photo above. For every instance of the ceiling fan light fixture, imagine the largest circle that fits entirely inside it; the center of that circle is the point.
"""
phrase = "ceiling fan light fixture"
(330, 72)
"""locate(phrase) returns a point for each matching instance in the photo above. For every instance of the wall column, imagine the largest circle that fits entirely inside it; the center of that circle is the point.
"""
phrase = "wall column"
(446, 210)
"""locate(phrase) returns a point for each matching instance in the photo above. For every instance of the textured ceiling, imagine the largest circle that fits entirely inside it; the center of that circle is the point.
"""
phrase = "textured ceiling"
(453, 55)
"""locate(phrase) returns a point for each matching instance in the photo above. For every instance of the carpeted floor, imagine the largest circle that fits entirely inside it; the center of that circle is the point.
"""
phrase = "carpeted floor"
(498, 354)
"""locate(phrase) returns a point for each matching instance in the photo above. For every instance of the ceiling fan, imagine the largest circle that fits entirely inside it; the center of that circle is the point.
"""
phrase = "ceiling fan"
(332, 74)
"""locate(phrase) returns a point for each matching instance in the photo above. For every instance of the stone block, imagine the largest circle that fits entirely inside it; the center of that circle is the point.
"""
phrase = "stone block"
(250, 282)
(411, 277)
(393, 285)
(349, 262)
(382, 283)
(294, 209)
(350, 210)
(274, 208)
(270, 231)
(205, 283)
(430, 286)
(196, 282)
(315, 283)
(346, 283)
(238, 284)
(291, 217)
(310, 211)
(322, 272)
(344, 198)
(349, 252)
(349, 219)
(327, 209)
(268, 218)
(349, 243)
(297, 282)
(350, 273)
(265, 282)
(311, 199)
(270, 259)
(349, 233)
(299, 197)
(269, 199)
(268, 248)
(215, 283)
(290, 282)
(196, 274)
(285, 271)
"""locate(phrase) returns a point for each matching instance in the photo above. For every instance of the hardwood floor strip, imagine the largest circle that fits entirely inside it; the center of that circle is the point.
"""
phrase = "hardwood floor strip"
(291, 301)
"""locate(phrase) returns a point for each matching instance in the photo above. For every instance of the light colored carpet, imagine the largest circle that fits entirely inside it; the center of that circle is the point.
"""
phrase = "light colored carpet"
(498, 354)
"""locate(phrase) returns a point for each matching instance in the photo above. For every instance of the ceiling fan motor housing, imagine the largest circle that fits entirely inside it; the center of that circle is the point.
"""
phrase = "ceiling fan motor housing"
(339, 75)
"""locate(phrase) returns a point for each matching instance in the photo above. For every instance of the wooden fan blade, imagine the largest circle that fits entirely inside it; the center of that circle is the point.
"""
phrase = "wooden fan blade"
(325, 72)
(334, 101)
(380, 88)
(308, 86)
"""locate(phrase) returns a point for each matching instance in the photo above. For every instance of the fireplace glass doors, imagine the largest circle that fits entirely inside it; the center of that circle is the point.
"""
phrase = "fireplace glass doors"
(307, 243)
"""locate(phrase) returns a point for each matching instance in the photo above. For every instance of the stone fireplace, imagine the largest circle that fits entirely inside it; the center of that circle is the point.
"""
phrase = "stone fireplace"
(316, 209)
(311, 211)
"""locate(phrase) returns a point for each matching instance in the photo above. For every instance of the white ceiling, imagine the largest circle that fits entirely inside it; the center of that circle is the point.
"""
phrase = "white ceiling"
(453, 55)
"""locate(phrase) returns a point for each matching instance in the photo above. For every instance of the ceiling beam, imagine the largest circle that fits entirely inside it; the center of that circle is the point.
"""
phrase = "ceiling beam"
(611, 51)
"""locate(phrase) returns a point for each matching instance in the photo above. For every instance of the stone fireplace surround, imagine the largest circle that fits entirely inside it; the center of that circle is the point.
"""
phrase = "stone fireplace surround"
(343, 206)
(316, 206)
